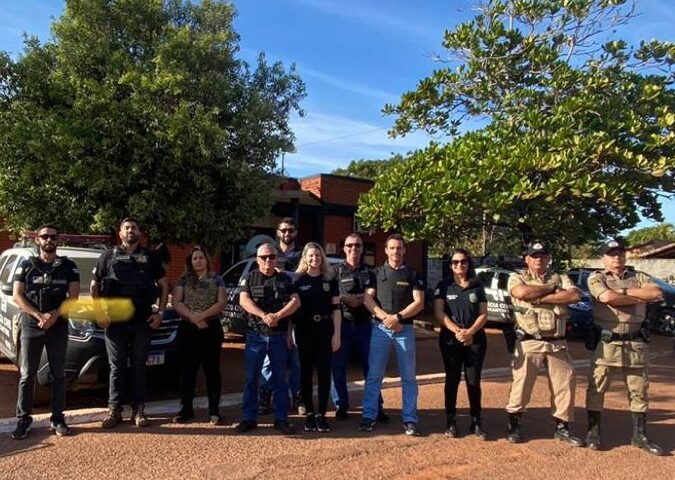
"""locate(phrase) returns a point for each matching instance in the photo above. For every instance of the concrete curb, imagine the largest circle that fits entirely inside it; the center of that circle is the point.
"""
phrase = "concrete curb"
(168, 407)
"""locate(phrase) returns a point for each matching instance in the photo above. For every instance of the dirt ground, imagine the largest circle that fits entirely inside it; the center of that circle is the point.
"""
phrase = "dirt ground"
(198, 450)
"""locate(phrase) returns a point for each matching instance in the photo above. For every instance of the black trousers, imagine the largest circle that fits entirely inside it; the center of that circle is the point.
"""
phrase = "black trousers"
(201, 348)
(33, 341)
(316, 353)
(128, 344)
(458, 358)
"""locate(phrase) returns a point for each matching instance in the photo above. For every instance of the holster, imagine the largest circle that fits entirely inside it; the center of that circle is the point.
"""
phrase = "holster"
(592, 337)
(510, 338)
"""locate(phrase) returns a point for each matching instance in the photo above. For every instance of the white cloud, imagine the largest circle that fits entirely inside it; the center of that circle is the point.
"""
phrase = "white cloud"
(380, 16)
(349, 86)
(325, 142)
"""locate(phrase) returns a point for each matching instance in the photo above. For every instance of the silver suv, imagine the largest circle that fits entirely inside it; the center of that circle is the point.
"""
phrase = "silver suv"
(86, 357)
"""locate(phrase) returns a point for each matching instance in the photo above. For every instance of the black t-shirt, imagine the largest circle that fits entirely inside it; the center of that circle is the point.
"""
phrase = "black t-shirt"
(270, 293)
(46, 284)
(316, 295)
(395, 287)
(462, 305)
(289, 261)
(354, 281)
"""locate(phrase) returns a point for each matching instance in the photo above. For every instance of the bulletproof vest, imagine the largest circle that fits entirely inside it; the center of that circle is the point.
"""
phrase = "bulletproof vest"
(200, 295)
(46, 284)
(270, 294)
(620, 319)
(353, 282)
(544, 320)
(130, 276)
(394, 288)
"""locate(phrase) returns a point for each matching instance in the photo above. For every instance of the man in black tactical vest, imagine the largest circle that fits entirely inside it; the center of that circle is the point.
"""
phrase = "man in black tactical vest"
(129, 271)
(41, 285)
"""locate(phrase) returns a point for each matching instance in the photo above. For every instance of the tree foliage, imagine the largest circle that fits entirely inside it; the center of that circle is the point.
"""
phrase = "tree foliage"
(579, 130)
(640, 236)
(368, 169)
(141, 107)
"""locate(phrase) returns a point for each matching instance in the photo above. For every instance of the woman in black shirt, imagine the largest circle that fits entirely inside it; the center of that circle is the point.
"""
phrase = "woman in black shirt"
(317, 330)
(461, 309)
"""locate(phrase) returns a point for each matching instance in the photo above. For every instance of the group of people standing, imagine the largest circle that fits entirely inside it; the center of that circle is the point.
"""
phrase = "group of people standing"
(305, 316)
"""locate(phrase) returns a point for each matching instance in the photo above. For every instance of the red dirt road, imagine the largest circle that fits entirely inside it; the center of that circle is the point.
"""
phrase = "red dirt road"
(197, 450)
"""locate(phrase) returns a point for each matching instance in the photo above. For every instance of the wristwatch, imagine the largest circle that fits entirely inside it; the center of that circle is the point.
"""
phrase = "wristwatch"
(399, 317)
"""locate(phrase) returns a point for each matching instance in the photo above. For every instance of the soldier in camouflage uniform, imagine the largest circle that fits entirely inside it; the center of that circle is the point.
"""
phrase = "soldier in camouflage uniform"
(619, 297)
(540, 299)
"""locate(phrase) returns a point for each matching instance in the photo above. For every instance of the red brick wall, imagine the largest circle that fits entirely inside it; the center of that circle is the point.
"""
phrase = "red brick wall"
(336, 190)
(177, 265)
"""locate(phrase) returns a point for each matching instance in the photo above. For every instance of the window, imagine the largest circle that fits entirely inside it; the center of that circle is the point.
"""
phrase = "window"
(232, 276)
(7, 270)
(502, 281)
(485, 278)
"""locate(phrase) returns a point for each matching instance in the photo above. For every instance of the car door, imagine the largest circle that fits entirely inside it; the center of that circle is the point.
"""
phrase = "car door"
(233, 316)
(9, 311)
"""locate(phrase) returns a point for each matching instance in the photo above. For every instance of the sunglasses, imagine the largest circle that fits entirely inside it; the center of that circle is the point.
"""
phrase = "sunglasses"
(286, 230)
(353, 245)
(264, 258)
(463, 261)
(46, 236)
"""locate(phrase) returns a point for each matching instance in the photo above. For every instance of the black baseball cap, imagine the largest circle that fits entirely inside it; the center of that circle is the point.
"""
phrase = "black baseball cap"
(612, 245)
(537, 246)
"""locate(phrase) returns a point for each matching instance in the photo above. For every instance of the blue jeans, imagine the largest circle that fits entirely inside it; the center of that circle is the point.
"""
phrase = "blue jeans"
(381, 341)
(293, 365)
(257, 347)
(354, 336)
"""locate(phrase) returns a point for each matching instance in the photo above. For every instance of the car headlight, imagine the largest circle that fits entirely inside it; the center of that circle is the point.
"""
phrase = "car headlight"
(82, 329)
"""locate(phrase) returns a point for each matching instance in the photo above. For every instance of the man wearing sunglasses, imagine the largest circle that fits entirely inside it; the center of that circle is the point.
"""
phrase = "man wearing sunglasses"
(540, 298)
(269, 298)
(41, 285)
(289, 257)
(353, 277)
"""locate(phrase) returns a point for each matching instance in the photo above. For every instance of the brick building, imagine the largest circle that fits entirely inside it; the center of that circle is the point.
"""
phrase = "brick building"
(323, 207)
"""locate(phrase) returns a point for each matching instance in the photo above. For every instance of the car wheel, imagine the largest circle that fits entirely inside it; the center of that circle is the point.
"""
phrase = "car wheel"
(664, 323)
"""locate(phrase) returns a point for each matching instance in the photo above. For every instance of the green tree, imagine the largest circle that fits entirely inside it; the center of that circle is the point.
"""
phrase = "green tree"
(640, 236)
(578, 137)
(142, 107)
(368, 169)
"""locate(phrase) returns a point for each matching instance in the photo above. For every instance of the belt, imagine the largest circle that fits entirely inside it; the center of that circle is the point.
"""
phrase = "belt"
(607, 336)
(527, 336)
(318, 318)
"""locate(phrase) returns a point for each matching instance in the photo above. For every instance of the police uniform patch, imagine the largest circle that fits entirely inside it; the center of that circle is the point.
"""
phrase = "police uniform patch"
(18, 271)
(473, 298)
(243, 282)
(437, 291)
(142, 259)
(402, 283)
(326, 287)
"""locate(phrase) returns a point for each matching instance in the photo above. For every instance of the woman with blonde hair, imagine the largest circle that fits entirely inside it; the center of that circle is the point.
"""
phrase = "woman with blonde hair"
(317, 330)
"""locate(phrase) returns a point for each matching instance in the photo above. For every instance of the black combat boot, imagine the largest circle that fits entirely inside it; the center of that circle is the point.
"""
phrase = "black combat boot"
(476, 429)
(640, 435)
(513, 435)
(562, 432)
(138, 416)
(451, 427)
(593, 435)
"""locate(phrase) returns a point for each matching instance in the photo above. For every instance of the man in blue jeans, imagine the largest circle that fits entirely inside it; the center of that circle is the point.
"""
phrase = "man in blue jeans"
(269, 298)
(353, 276)
(394, 296)
(288, 259)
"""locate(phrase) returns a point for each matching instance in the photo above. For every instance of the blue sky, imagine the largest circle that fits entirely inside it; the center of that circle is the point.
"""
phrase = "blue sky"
(354, 56)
